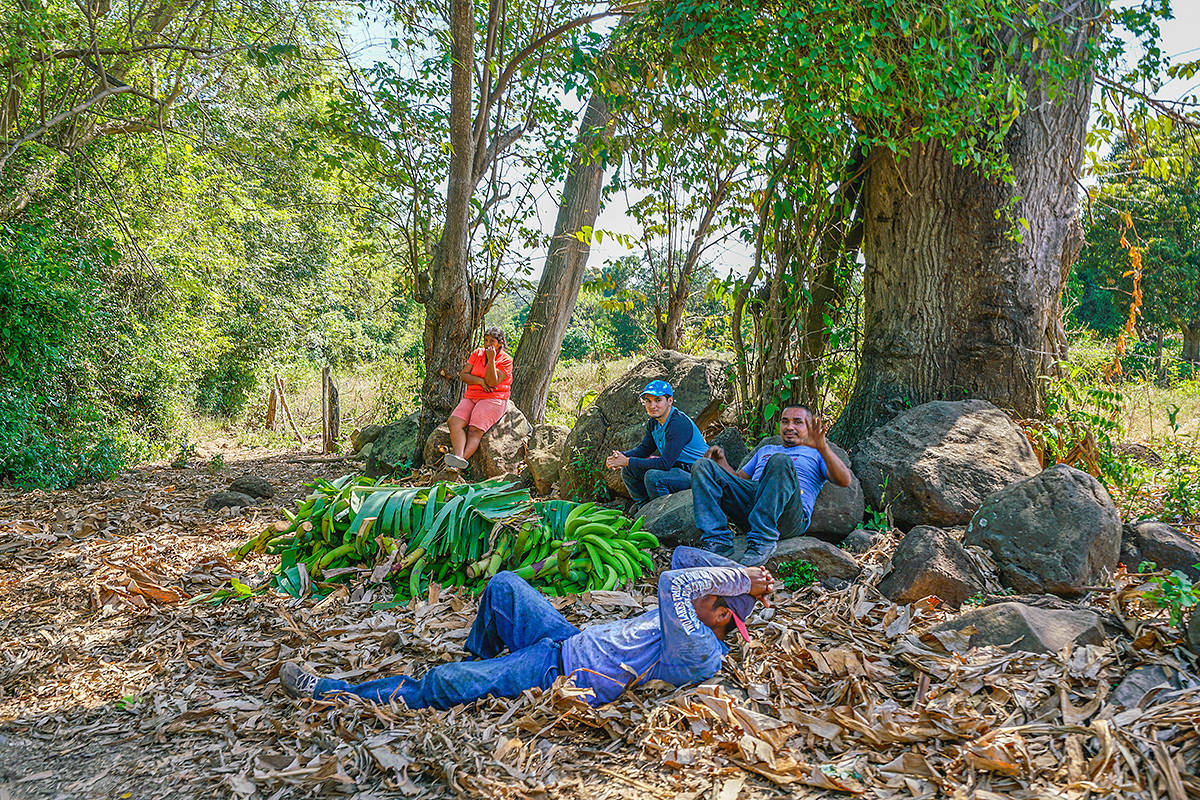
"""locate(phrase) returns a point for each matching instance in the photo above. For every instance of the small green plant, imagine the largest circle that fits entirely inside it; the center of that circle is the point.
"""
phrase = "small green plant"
(1175, 592)
(879, 519)
(186, 452)
(127, 703)
(798, 574)
(974, 600)
(216, 464)
(590, 469)
(1179, 474)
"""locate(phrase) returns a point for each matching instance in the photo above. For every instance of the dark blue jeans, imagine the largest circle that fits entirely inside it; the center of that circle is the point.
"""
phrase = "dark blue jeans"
(763, 507)
(646, 484)
(512, 615)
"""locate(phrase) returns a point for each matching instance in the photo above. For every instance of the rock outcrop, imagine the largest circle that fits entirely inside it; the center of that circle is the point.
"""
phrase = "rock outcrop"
(934, 464)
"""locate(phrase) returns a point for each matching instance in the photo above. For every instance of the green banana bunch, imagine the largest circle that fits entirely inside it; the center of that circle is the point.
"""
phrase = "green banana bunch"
(452, 535)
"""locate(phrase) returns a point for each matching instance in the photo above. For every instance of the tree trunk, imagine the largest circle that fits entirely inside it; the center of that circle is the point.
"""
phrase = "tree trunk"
(558, 288)
(1191, 342)
(449, 306)
(953, 306)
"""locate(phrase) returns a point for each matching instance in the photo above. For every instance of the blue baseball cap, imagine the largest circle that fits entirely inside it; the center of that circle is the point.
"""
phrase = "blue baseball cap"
(658, 389)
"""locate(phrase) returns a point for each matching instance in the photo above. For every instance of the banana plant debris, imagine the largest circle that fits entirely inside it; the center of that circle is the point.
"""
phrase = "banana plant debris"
(113, 685)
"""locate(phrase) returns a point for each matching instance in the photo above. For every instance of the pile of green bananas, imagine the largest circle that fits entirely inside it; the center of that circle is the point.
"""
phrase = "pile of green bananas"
(574, 548)
(449, 534)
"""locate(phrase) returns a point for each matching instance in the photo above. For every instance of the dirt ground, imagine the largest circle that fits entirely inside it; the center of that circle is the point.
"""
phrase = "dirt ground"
(113, 686)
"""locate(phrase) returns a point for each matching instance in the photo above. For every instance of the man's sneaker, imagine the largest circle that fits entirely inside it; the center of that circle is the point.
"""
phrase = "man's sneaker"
(455, 462)
(758, 554)
(723, 550)
(297, 681)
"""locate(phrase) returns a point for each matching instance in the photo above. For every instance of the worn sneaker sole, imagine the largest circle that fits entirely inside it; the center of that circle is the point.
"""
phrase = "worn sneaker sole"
(454, 462)
(756, 558)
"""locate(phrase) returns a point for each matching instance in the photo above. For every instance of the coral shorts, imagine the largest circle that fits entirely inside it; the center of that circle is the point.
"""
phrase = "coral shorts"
(481, 414)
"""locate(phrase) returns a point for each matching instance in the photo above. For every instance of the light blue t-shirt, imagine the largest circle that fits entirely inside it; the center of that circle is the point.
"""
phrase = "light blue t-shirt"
(668, 643)
(811, 471)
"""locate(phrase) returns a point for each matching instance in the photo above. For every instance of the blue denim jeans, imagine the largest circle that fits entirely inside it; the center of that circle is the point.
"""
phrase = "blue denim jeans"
(512, 615)
(646, 484)
(763, 507)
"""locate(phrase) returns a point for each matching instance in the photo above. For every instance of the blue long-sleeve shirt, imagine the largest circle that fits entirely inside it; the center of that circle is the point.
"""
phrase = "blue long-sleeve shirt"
(663, 446)
(668, 643)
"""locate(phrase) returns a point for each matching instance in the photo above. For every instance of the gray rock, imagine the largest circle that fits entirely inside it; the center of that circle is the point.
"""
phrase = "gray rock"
(670, 518)
(502, 448)
(1192, 634)
(1150, 679)
(839, 509)
(936, 463)
(617, 421)
(394, 447)
(731, 441)
(860, 540)
(929, 561)
(544, 456)
(828, 559)
(252, 485)
(1056, 532)
(1167, 547)
(1035, 630)
(229, 499)
(361, 438)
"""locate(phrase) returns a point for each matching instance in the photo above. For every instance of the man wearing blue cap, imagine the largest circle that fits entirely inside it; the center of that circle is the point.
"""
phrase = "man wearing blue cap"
(701, 599)
(662, 462)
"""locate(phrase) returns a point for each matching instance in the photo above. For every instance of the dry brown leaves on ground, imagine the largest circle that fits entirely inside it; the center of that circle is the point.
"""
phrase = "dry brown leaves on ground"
(112, 683)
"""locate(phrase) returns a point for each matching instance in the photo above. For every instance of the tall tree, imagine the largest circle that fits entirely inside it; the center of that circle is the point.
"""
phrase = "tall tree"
(566, 264)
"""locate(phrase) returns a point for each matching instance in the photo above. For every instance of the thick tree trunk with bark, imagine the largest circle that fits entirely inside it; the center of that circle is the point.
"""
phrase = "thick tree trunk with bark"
(1191, 342)
(954, 307)
(449, 309)
(558, 289)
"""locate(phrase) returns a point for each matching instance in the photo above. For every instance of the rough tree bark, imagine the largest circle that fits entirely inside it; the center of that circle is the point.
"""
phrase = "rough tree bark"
(449, 312)
(953, 306)
(558, 288)
(1191, 342)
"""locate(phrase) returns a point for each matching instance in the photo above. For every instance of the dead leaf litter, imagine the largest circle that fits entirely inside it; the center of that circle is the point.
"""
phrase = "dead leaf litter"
(112, 683)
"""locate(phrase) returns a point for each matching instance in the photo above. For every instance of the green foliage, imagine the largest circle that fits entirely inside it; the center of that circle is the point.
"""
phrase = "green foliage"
(593, 483)
(1174, 592)
(1179, 474)
(798, 574)
(63, 398)
(1150, 195)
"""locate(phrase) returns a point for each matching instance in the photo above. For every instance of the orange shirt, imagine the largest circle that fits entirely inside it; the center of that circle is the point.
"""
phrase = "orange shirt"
(478, 364)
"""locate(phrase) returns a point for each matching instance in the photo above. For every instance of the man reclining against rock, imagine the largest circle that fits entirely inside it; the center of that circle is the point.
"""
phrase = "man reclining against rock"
(700, 600)
(662, 461)
(776, 489)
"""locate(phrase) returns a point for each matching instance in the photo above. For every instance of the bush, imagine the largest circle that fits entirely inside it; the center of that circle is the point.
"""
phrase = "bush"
(64, 347)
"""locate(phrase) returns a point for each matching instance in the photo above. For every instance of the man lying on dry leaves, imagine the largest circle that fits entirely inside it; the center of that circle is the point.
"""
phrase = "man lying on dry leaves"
(701, 599)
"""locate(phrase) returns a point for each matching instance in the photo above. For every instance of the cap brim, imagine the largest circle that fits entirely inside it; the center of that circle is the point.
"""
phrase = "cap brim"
(741, 626)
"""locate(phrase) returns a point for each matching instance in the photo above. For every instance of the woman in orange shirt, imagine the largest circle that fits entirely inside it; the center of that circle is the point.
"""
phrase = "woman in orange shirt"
(488, 376)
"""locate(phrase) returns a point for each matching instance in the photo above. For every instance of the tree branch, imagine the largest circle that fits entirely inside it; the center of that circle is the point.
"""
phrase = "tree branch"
(57, 118)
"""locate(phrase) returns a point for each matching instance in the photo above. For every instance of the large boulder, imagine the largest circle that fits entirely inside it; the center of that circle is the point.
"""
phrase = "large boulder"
(229, 499)
(731, 441)
(1056, 532)
(1035, 630)
(670, 518)
(544, 456)
(617, 421)
(501, 450)
(1167, 547)
(839, 509)
(830, 561)
(929, 561)
(393, 447)
(253, 485)
(1192, 632)
(361, 438)
(936, 463)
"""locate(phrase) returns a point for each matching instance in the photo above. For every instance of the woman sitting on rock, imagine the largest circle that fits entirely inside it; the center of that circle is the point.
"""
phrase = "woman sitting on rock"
(488, 375)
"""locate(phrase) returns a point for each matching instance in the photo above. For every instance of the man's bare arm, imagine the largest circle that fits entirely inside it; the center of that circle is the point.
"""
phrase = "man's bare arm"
(717, 454)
